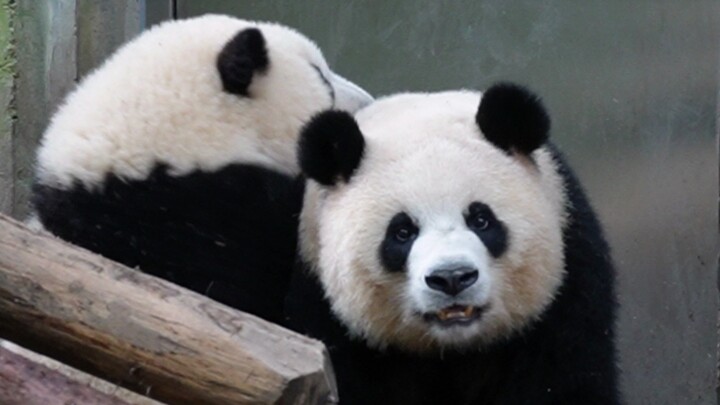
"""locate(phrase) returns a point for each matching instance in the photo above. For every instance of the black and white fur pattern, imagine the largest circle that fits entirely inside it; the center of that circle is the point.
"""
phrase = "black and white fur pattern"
(177, 155)
(457, 260)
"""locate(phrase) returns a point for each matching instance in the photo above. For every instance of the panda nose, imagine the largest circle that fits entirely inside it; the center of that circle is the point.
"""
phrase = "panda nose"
(452, 281)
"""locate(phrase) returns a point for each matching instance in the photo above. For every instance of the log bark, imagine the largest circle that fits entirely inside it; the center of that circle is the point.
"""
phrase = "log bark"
(25, 374)
(148, 334)
(25, 382)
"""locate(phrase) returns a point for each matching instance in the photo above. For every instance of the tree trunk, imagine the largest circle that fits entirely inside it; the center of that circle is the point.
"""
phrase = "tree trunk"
(148, 334)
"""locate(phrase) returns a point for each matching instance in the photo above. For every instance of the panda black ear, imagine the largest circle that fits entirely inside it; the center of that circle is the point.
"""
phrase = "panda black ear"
(513, 118)
(331, 147)
(240, 58)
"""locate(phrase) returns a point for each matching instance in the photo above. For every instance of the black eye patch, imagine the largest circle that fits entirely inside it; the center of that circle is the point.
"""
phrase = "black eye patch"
(481, 219)
(395, 248)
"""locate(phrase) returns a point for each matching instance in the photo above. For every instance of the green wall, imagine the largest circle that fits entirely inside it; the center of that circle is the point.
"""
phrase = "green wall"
(7, 69)
(45, 46)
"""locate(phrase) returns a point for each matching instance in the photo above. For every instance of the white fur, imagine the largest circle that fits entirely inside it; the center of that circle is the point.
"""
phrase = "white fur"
(160, 99)
(448, 245)
(34, 224)
(426, 156)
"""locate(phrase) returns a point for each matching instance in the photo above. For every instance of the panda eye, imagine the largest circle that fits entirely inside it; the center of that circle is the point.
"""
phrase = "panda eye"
(404, 234)
(401, 229)
(478, 221)
(480, 217)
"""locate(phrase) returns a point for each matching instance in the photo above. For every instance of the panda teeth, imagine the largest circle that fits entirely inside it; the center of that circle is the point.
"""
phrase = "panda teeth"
(455, 312)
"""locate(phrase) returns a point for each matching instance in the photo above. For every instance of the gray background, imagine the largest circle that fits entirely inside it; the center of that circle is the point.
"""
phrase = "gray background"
(632, 88)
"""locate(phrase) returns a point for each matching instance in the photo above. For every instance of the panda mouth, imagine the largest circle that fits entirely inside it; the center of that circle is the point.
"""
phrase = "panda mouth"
(455, 315)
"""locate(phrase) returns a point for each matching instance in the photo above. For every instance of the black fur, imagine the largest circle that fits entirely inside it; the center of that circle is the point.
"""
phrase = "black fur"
(240, 58)
(566, 358)
(513, 118)
(331, 147)
(229, 234)
(494, 236)
(393, 251)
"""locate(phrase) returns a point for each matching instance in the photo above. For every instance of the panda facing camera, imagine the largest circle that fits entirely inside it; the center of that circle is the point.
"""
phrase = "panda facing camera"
(449, 255)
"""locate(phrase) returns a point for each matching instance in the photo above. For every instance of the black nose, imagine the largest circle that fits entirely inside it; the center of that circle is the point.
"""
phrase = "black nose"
(452, 281)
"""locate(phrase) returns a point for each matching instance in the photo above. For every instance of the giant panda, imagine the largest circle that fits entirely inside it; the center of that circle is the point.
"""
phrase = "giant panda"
(177, 155)
(448, 255)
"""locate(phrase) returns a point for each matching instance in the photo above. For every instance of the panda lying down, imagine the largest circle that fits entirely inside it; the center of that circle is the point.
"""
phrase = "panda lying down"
(449, 255)
(177, 156)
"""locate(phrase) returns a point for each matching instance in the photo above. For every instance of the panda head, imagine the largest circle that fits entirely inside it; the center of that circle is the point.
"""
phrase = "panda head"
(194, 94)
(434, 221)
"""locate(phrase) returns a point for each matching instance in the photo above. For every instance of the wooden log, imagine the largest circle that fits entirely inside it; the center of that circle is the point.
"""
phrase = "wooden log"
(25, 382)
(148, 334)
(24, 370)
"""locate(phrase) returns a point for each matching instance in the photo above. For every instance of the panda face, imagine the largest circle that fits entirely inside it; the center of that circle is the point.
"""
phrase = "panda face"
(439, 239)
(192, 94)
(446, 257)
